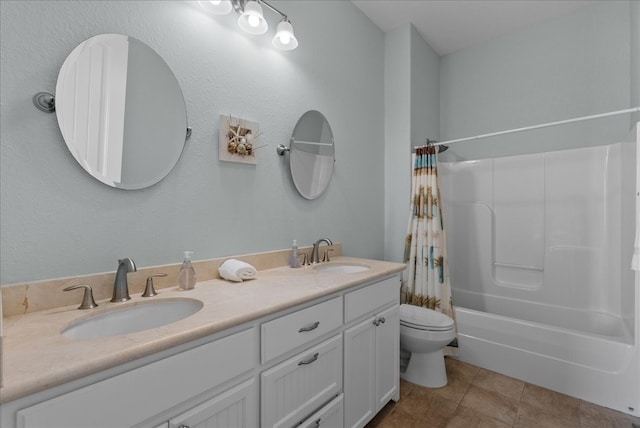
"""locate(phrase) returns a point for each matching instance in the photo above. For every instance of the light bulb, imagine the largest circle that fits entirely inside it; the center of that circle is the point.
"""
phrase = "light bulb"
(285, 39)
(253, 20)
(217, 7)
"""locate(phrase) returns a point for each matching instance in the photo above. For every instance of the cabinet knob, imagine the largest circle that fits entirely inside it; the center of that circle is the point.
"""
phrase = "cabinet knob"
(316, 424)
(183, 426)
(379, 321)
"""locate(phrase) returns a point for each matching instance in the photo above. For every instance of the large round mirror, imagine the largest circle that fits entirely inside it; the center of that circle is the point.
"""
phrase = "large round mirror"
(121, 111)
(312, 154)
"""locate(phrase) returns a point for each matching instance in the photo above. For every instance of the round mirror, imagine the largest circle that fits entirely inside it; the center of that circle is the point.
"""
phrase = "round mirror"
(311, 154)
(121, 111)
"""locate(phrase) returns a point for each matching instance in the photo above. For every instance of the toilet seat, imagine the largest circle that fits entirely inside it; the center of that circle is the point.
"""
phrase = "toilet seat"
(421, 318)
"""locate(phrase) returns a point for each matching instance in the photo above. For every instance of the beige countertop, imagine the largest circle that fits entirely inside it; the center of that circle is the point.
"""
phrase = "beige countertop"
(37, 357)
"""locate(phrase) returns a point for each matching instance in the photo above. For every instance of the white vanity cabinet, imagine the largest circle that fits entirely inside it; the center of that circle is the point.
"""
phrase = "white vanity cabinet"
(371, 351)
(330, 362)
(136, 396)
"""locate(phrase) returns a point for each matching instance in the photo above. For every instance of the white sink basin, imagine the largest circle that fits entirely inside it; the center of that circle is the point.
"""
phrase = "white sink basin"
(341, 268)
(132, 318)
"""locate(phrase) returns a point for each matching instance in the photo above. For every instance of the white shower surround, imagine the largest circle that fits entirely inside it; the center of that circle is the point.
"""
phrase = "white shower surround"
(540, 248)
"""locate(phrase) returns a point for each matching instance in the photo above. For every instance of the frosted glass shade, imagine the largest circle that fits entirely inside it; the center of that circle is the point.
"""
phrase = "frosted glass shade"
(252, 20)
(284, 38)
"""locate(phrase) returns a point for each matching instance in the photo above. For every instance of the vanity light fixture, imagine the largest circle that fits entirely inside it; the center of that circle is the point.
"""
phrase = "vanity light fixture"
(252, 21)
(217, 7)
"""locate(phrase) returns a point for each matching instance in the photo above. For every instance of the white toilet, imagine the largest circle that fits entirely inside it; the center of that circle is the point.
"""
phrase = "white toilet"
(425, 333)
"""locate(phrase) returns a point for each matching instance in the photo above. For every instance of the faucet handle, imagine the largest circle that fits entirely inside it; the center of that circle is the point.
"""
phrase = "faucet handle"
(325, 258)
(149, 291)
(305, 259)
(87, 298)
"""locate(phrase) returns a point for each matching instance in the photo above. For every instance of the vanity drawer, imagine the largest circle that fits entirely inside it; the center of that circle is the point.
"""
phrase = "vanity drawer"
(369, 299)
(299, 386)
(330, 416)
(162, 384)
(290, 331)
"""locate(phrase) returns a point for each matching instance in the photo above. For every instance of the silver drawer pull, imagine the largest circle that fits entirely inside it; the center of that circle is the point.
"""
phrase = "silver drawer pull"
(310, 360)
(316, 424)
(310, 327)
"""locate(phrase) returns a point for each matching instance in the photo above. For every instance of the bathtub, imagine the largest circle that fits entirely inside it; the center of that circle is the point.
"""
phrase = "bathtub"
(594, 367)
(539, 248)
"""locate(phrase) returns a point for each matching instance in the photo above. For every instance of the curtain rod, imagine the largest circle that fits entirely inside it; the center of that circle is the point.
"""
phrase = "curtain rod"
(544, 125)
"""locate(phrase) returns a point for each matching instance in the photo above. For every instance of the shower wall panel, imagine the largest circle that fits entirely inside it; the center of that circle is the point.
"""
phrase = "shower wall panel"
(544, 228)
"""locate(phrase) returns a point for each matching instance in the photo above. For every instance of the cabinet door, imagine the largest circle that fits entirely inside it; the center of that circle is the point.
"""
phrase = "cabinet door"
(359, 373)
(387, 356)
(236, 408)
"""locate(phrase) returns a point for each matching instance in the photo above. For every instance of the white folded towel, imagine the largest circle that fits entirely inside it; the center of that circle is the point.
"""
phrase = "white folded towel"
(236, 270)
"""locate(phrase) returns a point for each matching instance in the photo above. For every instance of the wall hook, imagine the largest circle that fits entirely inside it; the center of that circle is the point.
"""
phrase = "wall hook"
(44, 101)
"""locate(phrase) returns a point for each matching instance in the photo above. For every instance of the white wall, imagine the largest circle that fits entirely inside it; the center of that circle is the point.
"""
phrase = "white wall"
(55, 220)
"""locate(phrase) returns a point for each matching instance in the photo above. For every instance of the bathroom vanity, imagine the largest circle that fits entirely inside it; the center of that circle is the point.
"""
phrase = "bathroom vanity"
(295, 347)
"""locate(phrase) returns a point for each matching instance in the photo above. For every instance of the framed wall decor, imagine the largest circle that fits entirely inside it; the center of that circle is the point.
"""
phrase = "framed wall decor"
(238, 140)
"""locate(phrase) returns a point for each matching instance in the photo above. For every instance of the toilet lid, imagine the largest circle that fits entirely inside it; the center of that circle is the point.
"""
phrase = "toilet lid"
(424, 319)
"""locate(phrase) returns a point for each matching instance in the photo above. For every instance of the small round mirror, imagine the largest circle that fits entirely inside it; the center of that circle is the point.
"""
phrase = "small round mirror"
(312, 154)
(121, 111)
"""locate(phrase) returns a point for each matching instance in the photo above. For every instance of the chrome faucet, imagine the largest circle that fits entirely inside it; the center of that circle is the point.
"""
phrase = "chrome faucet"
(315, 258)
(120, 286)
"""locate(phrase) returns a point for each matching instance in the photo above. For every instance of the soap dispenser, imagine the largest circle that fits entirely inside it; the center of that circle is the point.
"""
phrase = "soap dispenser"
(187, 275)
(294, 262)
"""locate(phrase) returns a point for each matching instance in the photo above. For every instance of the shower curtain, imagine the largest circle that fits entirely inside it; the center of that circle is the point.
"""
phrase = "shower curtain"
(426, 278)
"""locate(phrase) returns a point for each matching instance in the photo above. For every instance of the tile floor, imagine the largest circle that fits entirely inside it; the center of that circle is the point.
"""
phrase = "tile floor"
(478, 398)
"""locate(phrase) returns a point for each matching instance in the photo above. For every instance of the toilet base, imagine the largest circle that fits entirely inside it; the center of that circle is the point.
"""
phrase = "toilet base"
(426, 369)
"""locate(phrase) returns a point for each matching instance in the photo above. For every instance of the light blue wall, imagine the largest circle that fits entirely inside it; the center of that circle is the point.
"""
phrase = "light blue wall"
(411, 115)
(57, 221)
(635, 58)
(572, 66)
(425, 91)
(397, 78)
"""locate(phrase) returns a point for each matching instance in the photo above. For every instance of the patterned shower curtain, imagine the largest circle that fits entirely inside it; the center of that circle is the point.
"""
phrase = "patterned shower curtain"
(426, 279)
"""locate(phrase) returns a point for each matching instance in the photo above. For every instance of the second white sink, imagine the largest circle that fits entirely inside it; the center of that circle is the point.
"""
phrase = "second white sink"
(133, 318)
(341, 268)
